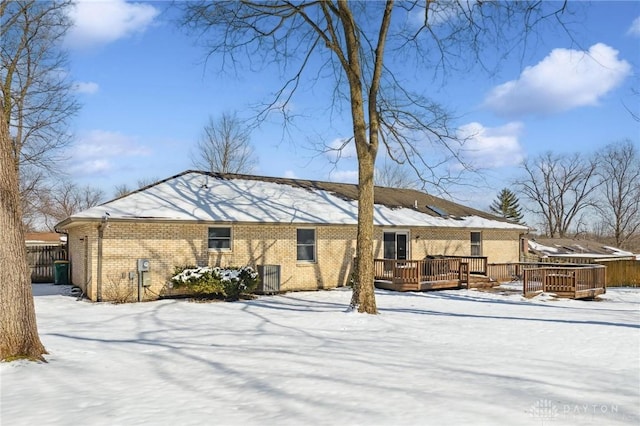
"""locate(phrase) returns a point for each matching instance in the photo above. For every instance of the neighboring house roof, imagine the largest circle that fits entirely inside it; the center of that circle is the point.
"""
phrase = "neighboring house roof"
(567, 247)
(43, 238)
(203, 196)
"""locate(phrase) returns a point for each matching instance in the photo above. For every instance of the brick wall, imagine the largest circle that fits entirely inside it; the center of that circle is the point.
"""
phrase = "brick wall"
(168, 245)
(498, 245)
(81, 244)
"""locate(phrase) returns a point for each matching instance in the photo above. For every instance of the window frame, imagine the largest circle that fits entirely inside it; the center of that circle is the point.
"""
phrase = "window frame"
(209, 239)
(475, 244)
(314, 245)
(396, 232)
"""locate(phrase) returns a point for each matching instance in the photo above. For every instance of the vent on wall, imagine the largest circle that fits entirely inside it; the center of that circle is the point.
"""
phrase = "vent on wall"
(269, 279)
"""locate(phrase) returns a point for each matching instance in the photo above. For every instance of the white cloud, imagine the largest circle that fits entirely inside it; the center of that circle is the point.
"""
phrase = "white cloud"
(102, 22)
(97, 152)
(344, 176)
(491, 147)
(290, 174)
(634, 29)
(85, 87)
(108, 144)
(565, 79)
(92, 167)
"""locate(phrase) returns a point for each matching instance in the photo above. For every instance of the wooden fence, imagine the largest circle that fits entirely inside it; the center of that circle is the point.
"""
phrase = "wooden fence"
(621, 273)
(41, 258)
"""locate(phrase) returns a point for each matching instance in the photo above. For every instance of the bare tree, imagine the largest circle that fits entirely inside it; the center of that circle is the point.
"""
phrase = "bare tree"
(225, 146)
(560, 188)
(619, 168)
(37, 97)
(35, 105)
(121, 190)
(18, 328)
(394, 175)
(34, 187)
(124, 189)
(348, 40)
(66, 199)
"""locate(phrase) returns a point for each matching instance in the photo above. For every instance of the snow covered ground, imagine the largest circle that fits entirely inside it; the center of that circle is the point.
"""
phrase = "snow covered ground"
(443, 358)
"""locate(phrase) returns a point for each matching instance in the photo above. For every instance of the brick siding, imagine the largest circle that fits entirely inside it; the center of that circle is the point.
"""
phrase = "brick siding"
(171, 244)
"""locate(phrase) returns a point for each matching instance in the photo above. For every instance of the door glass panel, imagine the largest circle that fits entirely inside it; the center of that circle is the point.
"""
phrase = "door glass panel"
(389, 245)
(401, 246)
(395, 245)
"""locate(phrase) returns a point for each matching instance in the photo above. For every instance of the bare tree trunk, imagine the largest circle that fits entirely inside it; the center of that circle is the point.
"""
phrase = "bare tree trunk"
(367, 149)
(365, 294)
(18, 330)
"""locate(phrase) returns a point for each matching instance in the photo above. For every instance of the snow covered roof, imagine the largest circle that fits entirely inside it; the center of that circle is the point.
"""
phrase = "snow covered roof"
(567, 247)
(203, 196)
(44, 238)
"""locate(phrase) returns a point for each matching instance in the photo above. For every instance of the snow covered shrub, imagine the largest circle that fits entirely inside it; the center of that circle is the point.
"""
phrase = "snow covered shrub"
(230, 283)
(198, 280)
(238, 281)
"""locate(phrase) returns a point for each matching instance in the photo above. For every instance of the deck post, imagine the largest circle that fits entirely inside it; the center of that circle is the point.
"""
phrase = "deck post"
(463, 274)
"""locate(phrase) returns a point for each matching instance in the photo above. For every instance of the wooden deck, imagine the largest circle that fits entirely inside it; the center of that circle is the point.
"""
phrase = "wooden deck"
(430, 274)
(571, 281)
(583, 282)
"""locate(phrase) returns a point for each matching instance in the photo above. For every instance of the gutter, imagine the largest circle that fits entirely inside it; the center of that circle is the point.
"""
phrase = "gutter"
(103, 225)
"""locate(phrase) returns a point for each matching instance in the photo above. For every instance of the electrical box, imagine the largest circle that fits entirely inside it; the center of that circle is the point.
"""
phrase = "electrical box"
(143, 265)
(145, 279)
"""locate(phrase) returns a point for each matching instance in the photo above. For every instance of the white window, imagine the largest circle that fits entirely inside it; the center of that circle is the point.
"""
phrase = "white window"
(476, 244)
(306, 245)
(219, 238)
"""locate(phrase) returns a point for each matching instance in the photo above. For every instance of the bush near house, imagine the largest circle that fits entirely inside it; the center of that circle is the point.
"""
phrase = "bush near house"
(229, 283)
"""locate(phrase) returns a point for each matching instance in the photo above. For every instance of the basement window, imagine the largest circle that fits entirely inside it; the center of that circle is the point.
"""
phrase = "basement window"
(220, 238)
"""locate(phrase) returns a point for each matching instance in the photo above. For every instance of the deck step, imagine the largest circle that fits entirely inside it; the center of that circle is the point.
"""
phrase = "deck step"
(475, 281)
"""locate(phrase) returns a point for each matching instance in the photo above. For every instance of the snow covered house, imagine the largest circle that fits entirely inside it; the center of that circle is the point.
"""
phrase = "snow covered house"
(300, 234)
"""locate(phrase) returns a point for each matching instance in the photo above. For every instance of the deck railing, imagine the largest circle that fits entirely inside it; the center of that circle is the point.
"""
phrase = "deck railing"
(512, 271)
(591, 277)
(563, 281)
(416, 271)
(477, 264)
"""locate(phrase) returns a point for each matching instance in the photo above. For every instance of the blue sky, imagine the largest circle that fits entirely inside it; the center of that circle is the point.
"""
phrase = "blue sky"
(146, 95)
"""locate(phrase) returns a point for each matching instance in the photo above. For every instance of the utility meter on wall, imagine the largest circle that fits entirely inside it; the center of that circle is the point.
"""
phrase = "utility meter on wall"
(143, 265)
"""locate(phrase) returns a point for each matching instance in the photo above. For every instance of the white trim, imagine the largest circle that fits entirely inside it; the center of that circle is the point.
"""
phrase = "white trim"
(472, 245)
(403, 231)
(315, 245)
(221, 250)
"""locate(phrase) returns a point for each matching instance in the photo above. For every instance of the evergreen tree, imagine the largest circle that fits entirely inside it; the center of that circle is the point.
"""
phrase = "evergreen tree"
(507, 206)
